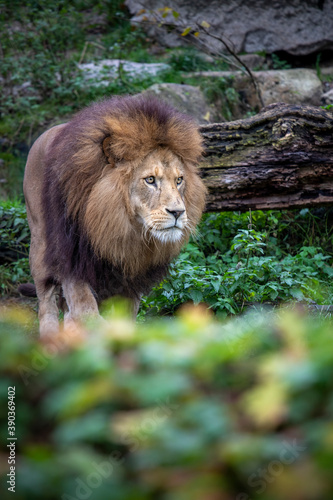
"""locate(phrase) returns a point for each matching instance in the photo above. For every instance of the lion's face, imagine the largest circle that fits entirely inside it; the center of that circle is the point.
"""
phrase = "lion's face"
(157, 196)
(140, 212)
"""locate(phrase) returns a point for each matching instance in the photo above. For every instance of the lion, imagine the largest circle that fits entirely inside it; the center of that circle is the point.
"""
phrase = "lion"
(111, 197)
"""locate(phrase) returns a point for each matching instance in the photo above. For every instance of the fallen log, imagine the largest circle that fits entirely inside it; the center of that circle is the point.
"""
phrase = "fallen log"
(279, 158)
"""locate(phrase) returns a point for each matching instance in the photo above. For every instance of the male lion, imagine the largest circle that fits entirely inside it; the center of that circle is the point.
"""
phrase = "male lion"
(111, 198)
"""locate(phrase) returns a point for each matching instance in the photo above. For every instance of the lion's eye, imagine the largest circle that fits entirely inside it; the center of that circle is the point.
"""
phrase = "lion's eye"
(150, 180)
(179, 181)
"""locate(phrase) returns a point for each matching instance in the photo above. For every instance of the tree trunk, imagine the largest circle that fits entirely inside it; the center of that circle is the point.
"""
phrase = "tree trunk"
(280, 158)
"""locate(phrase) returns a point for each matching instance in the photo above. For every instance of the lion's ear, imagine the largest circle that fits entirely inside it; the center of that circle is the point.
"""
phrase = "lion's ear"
(107, 150)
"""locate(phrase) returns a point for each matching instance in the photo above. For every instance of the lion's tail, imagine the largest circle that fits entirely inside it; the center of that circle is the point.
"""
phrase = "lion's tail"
(28, 289)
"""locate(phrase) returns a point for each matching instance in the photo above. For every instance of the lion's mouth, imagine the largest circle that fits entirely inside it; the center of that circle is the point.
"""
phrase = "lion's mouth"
(169, 234)
(171, 228)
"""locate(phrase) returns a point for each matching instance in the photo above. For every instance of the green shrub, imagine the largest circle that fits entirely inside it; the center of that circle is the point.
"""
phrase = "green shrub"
(174, 409)
(12, 171)
(14, 246)
(14, 229)
(220, 92)
(278, 63)
(13, 274)
(188, 60)
(230, 265)
(41, 45)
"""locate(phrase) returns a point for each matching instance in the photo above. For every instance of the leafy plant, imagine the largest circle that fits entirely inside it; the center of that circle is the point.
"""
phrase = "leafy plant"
(229, 267)
(174, 408)
(220, 92)
(14, 246)
(278, 63)
(12, 170)
(41, 47)
(318, 69)
(12, 274)
(14, 230)
(189, 59)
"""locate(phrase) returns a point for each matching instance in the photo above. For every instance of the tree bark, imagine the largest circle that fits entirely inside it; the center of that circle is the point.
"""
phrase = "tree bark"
(280, 158)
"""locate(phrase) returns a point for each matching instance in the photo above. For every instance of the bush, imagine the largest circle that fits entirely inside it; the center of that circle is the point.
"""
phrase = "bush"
(14, 246)
(174, 409)
(237, 260)
(41, 45)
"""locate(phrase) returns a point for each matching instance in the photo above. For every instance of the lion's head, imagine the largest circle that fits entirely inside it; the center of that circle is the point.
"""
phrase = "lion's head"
(157, 197)
(126, 168)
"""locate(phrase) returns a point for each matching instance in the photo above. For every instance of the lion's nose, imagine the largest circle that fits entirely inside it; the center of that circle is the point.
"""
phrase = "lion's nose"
(175, 213)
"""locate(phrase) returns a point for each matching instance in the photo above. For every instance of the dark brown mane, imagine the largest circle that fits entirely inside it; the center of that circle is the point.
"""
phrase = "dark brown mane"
(80, 156)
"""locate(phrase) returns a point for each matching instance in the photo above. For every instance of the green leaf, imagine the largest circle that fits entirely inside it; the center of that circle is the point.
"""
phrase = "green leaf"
(186, 31)
(196, 296)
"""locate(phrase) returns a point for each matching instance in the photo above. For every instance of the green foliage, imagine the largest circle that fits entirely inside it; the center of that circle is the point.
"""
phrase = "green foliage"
(236, 261)
(41, 85)
(318, 69)
(12, 274)
(279, 63)
(130, 44)
(174, 409)
(220, 92)
(14, 246)
(189, 59)
(14, 229)
(37, 51)
(12, 170)
(42, 42)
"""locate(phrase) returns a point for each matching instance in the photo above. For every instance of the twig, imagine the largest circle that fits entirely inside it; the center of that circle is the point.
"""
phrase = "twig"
(30, 133)
(83, 53)
(250, 226)
(121, 74)
(233, 53)
(84, 50)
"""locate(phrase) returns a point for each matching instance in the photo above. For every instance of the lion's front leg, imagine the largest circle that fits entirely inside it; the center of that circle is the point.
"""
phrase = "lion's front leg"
(80, 301)
(135, 304)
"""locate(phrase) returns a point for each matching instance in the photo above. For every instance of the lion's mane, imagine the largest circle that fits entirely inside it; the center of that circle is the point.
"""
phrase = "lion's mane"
(83, 153)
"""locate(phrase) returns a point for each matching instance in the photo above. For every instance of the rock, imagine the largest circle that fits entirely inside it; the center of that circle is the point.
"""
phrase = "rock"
(327, 98)
(101, 72)
(292, 86)
(186, 99)
(253, 61)
(297, 27)
(327, 70)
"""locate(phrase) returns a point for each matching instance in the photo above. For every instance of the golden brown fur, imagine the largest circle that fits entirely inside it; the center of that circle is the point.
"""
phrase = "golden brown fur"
(98, 222)
(127, 247)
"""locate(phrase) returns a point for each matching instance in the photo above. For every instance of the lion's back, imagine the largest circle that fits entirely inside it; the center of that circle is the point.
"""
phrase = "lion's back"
(34, 174)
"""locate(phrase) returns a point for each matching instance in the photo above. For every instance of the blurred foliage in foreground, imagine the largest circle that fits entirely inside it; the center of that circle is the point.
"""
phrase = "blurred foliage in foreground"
(184, 408)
